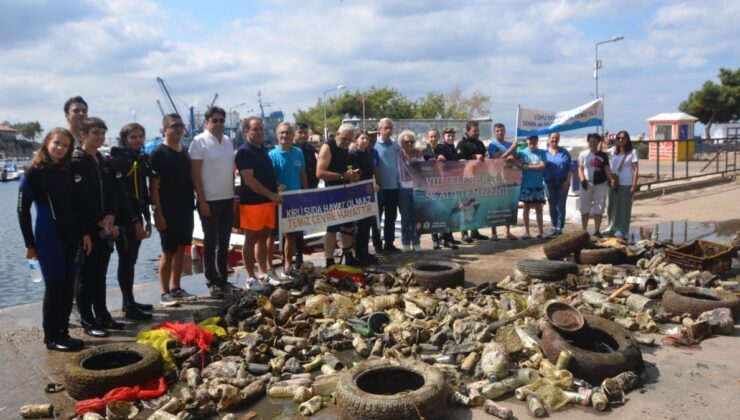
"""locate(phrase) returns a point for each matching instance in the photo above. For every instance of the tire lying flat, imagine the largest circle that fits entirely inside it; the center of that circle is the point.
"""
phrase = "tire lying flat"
(547, 270)
(85, 376)
(595, 366)
(434, 275)
(428, 401)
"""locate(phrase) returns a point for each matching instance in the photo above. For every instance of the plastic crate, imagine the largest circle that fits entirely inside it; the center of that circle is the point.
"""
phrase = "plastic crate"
(702, 255)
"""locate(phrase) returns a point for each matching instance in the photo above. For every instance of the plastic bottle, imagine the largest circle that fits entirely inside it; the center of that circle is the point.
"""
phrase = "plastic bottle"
(35, 270)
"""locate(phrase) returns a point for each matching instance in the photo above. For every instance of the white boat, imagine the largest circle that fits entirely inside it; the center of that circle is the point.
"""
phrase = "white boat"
(10, 172)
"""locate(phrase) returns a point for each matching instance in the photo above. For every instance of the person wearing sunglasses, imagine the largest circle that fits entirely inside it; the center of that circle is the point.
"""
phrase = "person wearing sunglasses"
(212, 167)
(624, 185)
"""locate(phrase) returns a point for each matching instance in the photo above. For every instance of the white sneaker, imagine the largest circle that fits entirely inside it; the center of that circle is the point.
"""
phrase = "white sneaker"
(406, 248)
(272, 277)
(618, 234)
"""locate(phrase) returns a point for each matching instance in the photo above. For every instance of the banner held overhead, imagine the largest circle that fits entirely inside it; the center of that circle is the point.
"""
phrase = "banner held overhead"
(533, 122)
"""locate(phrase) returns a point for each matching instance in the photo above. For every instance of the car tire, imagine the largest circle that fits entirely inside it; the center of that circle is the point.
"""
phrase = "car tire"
(547, 270)
(593, 256)
(566, 244)
(86, 374)
(434, 275)
(695, 300)
(594, 366)
(366, 391)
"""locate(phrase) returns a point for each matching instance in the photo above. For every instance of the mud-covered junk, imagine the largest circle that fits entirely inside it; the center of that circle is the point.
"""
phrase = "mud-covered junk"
(599, 350)
(695, 300)
(97, 370)
(390, 390)
(438, 274)
(37, 411)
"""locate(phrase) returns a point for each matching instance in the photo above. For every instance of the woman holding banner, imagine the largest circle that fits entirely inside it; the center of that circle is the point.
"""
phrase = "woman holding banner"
(533, 191)
(557, 180)
(406, 157)
(361, 158)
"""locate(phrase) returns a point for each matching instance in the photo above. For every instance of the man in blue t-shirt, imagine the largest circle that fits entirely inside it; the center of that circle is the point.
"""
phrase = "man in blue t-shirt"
(496, 148)
(289, 167)
(258, 198)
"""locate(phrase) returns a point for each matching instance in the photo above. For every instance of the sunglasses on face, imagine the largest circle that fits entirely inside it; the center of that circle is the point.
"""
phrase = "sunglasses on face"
(621, 138)
(176, 126)
(217, 120)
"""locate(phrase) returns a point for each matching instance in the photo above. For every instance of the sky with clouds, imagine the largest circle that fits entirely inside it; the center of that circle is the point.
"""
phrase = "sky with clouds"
(538, 54)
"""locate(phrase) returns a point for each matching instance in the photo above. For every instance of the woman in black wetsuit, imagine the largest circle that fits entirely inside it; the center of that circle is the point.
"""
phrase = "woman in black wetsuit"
(56, 237)
(132, 165)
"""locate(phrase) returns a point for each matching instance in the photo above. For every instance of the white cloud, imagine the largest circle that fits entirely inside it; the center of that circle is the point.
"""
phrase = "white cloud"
(538, 54)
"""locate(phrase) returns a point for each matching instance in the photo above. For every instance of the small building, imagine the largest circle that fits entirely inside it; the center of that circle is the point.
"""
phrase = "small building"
(7, 133)
(726, 130)
(671, 136)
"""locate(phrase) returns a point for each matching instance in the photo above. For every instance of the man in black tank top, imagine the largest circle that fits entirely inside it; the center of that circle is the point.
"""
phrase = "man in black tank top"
(333, 167)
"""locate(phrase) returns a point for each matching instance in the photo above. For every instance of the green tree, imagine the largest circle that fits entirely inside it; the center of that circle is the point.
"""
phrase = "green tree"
(715, 103)
(461, 107)
(28, 130)
(391, 103)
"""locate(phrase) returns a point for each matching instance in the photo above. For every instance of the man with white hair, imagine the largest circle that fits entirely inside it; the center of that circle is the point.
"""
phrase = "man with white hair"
(388, 150)
(333, 167)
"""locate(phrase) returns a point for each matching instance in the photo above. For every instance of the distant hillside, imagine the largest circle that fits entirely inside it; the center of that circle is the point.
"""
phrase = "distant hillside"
(17, 148)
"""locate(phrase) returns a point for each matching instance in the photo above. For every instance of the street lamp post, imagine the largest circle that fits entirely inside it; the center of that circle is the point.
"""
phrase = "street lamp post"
(597, 64)
(339, 87)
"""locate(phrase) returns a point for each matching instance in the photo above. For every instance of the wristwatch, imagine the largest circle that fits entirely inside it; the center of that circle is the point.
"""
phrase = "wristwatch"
(154, 207)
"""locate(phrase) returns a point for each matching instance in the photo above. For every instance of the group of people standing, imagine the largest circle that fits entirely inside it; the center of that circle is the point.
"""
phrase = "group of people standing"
(88, 204)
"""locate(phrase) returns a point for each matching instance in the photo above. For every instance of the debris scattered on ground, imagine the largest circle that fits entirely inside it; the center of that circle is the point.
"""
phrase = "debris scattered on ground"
(552, 333)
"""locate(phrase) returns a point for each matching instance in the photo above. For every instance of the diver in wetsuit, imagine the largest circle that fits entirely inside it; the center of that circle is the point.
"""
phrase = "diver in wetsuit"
(56, 238)
(95, 191)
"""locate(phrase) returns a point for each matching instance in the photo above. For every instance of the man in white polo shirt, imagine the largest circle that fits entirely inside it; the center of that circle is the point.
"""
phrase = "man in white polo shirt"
(212, 163)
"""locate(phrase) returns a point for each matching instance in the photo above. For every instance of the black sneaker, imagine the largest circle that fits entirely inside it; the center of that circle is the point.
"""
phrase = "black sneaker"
(133, 312)
(216, 292)
(436, 245)
(350, 260)
(450, 244)
(478, 236)
(467, 239)
(144, 306)
(391, 249)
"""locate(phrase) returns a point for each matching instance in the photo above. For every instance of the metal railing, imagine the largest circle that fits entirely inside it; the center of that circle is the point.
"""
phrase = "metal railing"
(677, 160)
